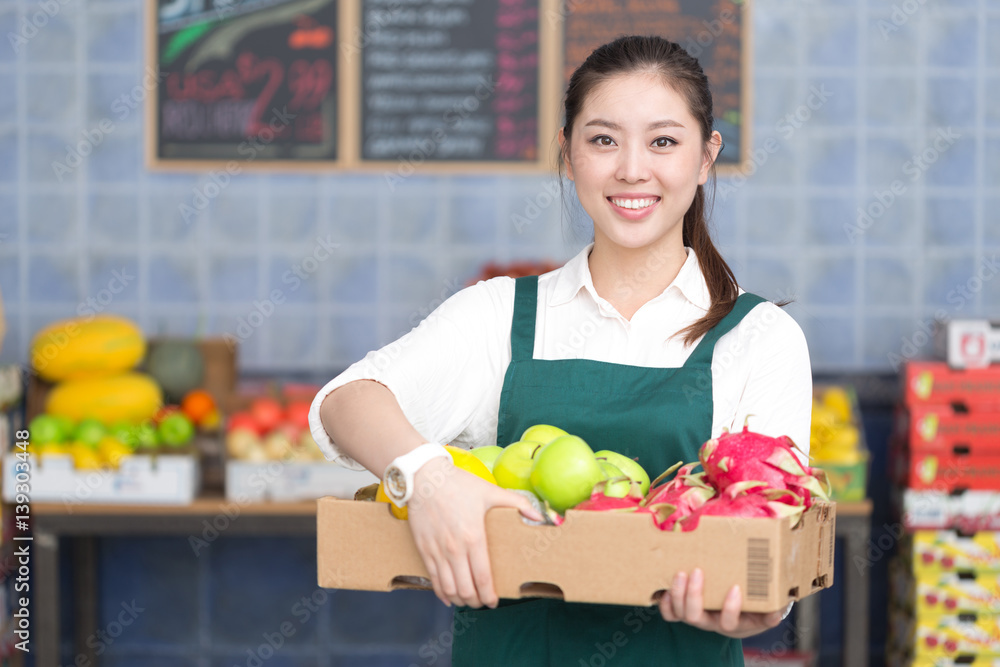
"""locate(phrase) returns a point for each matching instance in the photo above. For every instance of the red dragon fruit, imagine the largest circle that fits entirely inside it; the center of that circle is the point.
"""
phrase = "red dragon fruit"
(747, 500)
(751, 457)
(671, 502)
(600, 501)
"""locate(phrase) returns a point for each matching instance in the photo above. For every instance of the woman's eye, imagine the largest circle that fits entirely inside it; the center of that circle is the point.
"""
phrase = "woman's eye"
(603, 140)
(663, 142)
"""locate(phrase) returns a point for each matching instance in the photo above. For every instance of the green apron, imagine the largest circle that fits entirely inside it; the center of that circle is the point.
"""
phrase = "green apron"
(661, 416)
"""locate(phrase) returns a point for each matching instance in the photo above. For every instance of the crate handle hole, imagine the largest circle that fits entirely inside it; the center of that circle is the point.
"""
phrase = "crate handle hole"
(793, 592)
(819, 582)
(541, 589)
(406, 581)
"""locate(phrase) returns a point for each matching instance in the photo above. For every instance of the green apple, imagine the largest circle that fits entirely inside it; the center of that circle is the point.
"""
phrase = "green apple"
(618, 482)
(488, 455)
(542, 433)
(89, 431)
(630, 467)
(44, 429)
(146, 436)
(176, 430)
(565, 472)
(512, 468)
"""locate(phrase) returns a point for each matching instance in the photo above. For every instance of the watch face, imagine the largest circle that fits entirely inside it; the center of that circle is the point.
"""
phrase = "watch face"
(395, 484)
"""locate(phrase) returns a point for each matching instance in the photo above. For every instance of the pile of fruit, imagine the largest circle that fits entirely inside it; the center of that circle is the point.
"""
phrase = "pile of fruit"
(272, 430)
(834, 437)
(745, 474)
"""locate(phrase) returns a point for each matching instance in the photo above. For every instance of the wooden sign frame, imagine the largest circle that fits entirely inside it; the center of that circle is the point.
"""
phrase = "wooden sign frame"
(550, 90)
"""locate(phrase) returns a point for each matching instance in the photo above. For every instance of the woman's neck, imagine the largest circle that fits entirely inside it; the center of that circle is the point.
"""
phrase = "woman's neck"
(628, 278)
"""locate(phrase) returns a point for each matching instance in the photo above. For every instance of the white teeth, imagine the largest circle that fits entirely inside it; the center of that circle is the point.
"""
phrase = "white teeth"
(633, 203)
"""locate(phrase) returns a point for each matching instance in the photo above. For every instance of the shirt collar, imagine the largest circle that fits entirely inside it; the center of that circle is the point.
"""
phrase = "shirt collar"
(575, 276)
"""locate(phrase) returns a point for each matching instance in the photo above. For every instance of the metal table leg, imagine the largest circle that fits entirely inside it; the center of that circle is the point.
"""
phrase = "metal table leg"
(45, 601)
(857, 531)
(85, 594)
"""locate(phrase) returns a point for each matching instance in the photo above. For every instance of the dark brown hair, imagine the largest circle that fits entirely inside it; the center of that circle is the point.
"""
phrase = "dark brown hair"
(631, 54)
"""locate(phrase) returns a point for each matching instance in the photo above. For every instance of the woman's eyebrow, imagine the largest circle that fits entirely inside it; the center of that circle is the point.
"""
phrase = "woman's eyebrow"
(655, 125)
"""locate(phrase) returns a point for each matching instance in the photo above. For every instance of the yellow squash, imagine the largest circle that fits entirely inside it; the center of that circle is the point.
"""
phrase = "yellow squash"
(86, 347)
(126, 397)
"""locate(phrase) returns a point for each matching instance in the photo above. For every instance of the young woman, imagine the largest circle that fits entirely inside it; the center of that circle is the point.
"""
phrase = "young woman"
(643, 343)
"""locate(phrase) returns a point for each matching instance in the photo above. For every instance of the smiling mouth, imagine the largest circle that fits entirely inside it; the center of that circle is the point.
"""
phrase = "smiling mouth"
(633, 204)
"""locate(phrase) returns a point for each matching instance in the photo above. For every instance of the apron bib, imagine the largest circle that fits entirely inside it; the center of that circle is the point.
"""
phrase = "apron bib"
(658, 415)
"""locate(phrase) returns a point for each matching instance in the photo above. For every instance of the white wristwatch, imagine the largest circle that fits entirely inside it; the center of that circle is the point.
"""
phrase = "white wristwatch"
(398, 477)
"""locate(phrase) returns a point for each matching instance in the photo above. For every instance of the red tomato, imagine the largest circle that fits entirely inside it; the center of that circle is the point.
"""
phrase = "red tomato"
(242, 420)
(297, 414)
(268, 413)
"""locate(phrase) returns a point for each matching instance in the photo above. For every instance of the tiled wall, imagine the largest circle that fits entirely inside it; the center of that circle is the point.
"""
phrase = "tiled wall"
(890, 77)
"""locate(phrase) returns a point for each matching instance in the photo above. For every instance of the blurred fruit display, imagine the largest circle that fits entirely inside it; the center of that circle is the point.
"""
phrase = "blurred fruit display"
(836, 442)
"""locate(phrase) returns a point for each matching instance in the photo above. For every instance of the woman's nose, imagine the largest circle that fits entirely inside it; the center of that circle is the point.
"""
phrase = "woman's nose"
(633, 165)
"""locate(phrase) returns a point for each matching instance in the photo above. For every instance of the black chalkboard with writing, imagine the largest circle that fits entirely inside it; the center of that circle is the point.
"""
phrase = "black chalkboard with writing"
(449, 81)
(710, 30)
(246, 80)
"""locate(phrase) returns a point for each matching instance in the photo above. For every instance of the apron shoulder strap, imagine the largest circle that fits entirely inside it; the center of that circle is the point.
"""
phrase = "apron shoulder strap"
(702, 355)
(522, 328)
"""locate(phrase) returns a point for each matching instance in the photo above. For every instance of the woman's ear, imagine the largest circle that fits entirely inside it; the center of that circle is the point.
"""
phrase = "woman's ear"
(712, 149)
(564, 154)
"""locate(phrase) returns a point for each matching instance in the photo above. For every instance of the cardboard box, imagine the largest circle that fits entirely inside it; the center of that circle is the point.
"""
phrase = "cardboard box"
(968, 343)
(936, 551)
(934, 382)
(958, 636)
(602, 557)
(942, 428)
(165, 479)
(967, 511)
(953, 593)
(951, 472)
(289, 481)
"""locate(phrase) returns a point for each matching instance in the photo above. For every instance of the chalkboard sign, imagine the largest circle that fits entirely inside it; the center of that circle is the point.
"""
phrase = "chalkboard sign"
(246, 80)
(450, 80)
(710, 30)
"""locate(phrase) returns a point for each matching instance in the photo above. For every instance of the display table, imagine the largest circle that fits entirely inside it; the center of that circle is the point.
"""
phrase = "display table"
(854, 527)
(85, 523)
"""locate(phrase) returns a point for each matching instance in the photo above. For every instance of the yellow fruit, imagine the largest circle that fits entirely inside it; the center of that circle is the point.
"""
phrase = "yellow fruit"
(85, 457)
(461, 458)
(838, 401)
(112, 450)
(52, 449)
(127, 397)
(86, 347)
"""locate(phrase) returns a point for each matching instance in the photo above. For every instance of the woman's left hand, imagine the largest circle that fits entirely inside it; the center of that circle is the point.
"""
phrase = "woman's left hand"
(684, 602)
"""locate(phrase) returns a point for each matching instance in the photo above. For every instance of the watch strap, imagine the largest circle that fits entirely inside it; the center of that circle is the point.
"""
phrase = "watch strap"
(399, 474)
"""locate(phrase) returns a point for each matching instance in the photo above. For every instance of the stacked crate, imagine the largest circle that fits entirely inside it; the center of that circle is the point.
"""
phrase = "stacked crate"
(945, 581)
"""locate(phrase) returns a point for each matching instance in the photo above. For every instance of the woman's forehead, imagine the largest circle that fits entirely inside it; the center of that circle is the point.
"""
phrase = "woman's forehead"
(632, 94)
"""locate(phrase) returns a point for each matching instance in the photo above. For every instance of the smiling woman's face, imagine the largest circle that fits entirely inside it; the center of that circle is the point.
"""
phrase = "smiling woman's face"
(637, 157)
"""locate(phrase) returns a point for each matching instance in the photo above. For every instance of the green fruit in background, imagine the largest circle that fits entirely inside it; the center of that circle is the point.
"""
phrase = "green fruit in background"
(146, 437)
(90, 432)
(46, 428)
(565, 471)
(488, 455)
(124, 433)
(177, 366)
(628, 466)
(618, 488)
(176, 430)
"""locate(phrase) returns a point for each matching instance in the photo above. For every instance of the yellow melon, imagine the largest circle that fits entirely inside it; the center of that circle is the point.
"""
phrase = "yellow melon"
(86, 347)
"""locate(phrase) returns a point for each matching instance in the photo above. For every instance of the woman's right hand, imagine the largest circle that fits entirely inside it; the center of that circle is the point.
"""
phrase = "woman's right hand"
(447, 514)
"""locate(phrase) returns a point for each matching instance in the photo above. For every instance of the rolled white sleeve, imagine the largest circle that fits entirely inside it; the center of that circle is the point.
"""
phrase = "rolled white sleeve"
(446, 373)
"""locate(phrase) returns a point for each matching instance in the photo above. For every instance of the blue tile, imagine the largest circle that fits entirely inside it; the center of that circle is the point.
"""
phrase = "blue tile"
(953, 164)
(258, 584)
(52, 218)
(474, 219)
(234, 213)
(777, 33)
(293, 216)
(991, 228)
(992, 103)
(294, 340)
(296, 276)
(9, 223)
(8, 148)
(890, 281)
(173, 279)
(410, 279)
(992, 47)
(889, 341)
(771, 221)
(829, 101)
(8, 101)
(51, 99)
(114, 280)
(167, 221)
(944, 279)
(351, 338)
(53, 278)
(829, 282)
(233, 278)
(147, 570)
(893, 40)
(354, 217)
(894, 225)
(951, 221)
(892, 102)
(55, 39)
(355, 280)
(400, 617)
(113, 37)
(9, 25)
(412, 217)
(107, 96)
(951, 101)
(991, 169)
(833, 40)
(112, 217)
(832, 161)
(885, 161)
(117, 156)
(826, 218)
(10, 278)
(770, 278)
(774, 97)
(831, 341)
(952, 41)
